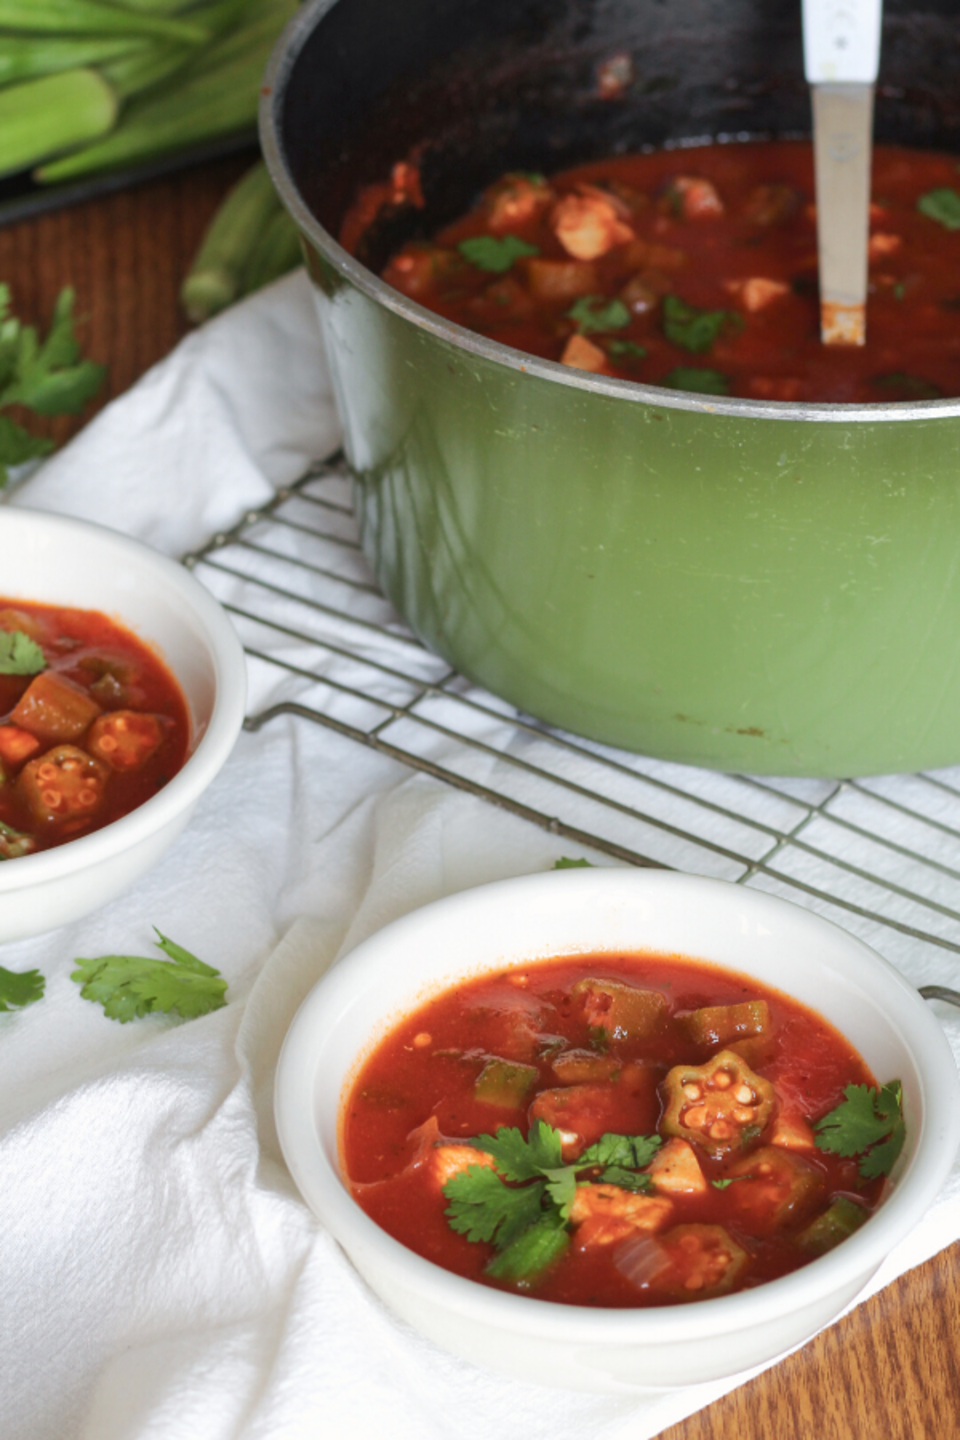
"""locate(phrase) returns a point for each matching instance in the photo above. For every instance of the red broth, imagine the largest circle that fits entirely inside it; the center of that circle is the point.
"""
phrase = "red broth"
(614, 254)
(95, 733)
(421, 1095)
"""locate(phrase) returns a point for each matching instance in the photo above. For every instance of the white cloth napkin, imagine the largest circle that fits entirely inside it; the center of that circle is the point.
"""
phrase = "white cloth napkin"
(160, 1279)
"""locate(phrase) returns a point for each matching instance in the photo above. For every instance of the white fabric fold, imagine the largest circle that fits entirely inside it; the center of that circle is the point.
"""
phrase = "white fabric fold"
(160, 1277)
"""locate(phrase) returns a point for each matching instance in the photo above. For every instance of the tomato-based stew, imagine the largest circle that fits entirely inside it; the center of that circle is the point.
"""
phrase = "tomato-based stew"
(696, 269)
(92, 724)
(625, 1131)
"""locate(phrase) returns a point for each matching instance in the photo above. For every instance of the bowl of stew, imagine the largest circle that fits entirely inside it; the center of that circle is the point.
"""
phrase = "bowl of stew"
(614, 1130)
(564, 259)
(122, 689)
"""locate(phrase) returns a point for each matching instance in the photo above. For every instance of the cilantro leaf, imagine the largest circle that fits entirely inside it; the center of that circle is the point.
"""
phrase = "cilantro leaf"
(48, 377)
(628, 348)
(691, 328)
(701, 381)
(487, 252)
(533, 1251)
(564, 864)
(868, 1123)
(14, 843)
(626, 1179)
(633, 1151)
(129, 986)
(17, 446)
(562, 1187)
(482, 1207)
(942, 205)
(19, 988)
(19, 655)
(520, 1159)
(591, 316)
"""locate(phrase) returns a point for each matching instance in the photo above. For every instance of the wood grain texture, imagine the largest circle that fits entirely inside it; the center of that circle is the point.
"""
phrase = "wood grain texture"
(889, 1371)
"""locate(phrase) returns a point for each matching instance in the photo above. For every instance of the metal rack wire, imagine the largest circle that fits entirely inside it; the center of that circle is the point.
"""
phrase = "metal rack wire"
(880, 856)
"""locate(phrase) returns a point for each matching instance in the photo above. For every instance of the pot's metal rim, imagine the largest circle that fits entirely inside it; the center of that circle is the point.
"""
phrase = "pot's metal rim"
(275, 80)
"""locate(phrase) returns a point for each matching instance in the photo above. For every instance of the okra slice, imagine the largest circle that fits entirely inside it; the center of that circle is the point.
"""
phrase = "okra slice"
(690, 1262)
(64, 784)
(577, 1067)
(773, 1189)
(501, 1082)
(721, 1024)
(721, 1105)
(837, 1222)
(615, 1010)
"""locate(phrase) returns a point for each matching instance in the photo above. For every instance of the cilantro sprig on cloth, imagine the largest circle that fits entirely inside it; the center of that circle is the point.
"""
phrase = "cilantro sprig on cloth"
(19, 988)
(868, 1123)
(129, 986)
(523, 1205)
(45, 376)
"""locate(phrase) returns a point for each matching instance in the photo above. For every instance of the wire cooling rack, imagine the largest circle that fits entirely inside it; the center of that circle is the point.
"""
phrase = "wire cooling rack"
(880, 856)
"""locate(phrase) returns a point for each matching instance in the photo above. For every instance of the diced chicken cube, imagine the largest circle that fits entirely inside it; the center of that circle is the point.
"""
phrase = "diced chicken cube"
(757, 292)
(694, 198)
(675, 1170)
(792, 1132)
(516, 200)
(582, 354)
(16, 745)
(882, 244)
(607, 1213)
(589, 225)
(450, 1160)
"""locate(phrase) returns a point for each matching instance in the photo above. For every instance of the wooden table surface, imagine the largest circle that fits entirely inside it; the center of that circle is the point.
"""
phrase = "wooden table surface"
(892, 1368)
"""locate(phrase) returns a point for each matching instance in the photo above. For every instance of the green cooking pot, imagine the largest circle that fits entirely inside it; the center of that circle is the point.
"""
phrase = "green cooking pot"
(747, 585)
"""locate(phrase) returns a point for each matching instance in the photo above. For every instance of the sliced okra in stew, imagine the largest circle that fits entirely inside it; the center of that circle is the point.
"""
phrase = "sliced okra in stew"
(54, 709)
(615, 1010)
(576, 1067)
(837, 1222)
(501, 1082)
(14, 843)
(774, 1188)
(125, 739)
(720, 1024)
(689, 1262)
(721, 1105)
(64, 784)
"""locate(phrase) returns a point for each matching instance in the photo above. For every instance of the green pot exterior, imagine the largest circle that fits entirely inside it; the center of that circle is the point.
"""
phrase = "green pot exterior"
(769, 595)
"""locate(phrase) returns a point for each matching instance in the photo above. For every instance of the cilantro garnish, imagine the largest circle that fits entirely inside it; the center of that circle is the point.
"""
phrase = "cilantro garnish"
(46, 376)
(522, 1206)
(697, 379)
(128, 986)
(628, 348)
(14, 843)
(942, 205)
(691, 328)
(488, 252)
(19, 655)
(591, 316)
(19, 988)
(564, 864)
(868, 1123)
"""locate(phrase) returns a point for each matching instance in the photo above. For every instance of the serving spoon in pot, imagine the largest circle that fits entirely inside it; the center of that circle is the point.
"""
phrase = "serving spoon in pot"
(841, 55)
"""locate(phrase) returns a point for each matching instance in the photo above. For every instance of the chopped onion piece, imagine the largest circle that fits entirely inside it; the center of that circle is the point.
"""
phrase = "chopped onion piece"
(640, 1259)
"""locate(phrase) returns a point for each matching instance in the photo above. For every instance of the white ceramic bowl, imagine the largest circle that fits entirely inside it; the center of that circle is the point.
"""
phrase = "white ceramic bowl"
(589, 912)
(61, 561)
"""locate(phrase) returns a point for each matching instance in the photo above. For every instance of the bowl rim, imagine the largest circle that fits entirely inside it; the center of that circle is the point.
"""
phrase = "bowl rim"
(282, 61)
(850, 1264)
(214, 743)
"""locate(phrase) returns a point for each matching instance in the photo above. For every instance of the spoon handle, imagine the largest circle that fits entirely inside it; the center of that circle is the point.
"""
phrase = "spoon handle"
(841, 46)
